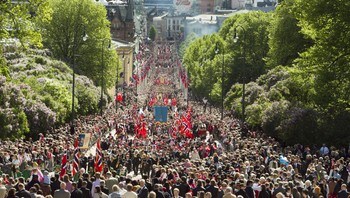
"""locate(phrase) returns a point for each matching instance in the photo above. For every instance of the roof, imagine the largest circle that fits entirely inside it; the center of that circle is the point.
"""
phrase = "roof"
(203, 18)
(117, 43)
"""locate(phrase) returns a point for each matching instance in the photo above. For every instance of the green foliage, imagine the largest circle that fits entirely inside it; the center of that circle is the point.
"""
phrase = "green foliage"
(241, 61)
(64, 25)
(4, 71)
(285, 39)
(304, 96)
(204, 66)
(38, 96)
(152, 33)
(16, 22)
(184, 45)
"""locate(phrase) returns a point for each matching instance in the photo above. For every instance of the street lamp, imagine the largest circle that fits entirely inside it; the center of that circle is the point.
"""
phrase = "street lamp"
(222, 78)
(102, 72)
(205, 103)
(124, 80)
(235, 39)
(85, 37)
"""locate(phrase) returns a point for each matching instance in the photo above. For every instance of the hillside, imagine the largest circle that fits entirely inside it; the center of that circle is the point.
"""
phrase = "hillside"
(36, 93)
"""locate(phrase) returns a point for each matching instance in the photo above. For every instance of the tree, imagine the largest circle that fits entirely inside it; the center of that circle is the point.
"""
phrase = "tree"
(328, 25)
(204, 66)
(64, 30)
(286, 41)
(152, 33)
(184, 45)
(249, 47)
(17, 22)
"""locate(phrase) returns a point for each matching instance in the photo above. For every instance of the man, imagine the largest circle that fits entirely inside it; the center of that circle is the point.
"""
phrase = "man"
(142, 192)
(228, 193)
(110, 181)
(129, 193)
(55, 184)
(96, 182)
(198, 188)
(22, 192)
(33, 193)
(157, 190)
(213, 189)
(241, 191)
(324, 150)
(2, 190)
(280, 189)
(184, 187)
(249, 190)
(103, 187)
(62, 192)
(115, 192)
(76, 193)
(86, 192)
(343, 193)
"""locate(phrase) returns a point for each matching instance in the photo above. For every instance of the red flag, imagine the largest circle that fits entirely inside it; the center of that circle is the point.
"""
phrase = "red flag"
(143, 131)
(76, 158)
(98, 157)
(64, 165)
(173, 102)
(119, 97)
(165, 100)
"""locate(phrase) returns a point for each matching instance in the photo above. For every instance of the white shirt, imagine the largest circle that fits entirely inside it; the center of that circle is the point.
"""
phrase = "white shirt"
(129, 194)
(94, 184)
(2, 191)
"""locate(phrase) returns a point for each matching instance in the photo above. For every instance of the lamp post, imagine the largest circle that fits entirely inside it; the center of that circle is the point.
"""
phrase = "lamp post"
(235, 39)
(85, 37)
(124, 81)
(205, 103)
(102, 72)
(222, 78)
(116, 89)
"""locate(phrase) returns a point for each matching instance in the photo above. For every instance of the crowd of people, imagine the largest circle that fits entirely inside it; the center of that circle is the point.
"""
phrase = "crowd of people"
(219, 160)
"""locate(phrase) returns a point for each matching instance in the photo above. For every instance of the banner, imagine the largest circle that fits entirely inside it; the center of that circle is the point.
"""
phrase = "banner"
(160, 113)
(84, 140)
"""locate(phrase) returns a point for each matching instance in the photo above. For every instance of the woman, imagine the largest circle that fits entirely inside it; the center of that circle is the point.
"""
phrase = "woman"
(295, 193)
(264, 193)
(11, 193)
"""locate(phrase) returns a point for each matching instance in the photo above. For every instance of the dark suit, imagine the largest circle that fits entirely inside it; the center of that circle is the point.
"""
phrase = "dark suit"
(77, 193)
(197, 189)
(86, 192)
(250, 192)
(213, 190)
(61, 194)
(23, 193)
(142, 192)
(242, 193)
(343, 194)
(55, 186)
(159, 194)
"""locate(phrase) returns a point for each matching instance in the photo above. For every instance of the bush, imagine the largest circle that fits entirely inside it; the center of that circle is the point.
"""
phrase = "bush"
(38, 97)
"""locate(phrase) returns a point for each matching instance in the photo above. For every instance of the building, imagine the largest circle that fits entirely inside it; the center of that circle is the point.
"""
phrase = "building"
(237, 4)
(159, 23)
(206, 6)
(174, 26)
(201, 24)
(121, 15)
(125, 51)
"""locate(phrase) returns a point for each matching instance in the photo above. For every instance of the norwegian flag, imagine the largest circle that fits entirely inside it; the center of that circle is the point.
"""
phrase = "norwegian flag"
(76, 158)
(64, 165)
(98, 157)
(186, 130)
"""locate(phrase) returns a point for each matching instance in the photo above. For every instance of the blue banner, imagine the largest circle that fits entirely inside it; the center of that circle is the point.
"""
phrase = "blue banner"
(160, 114)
